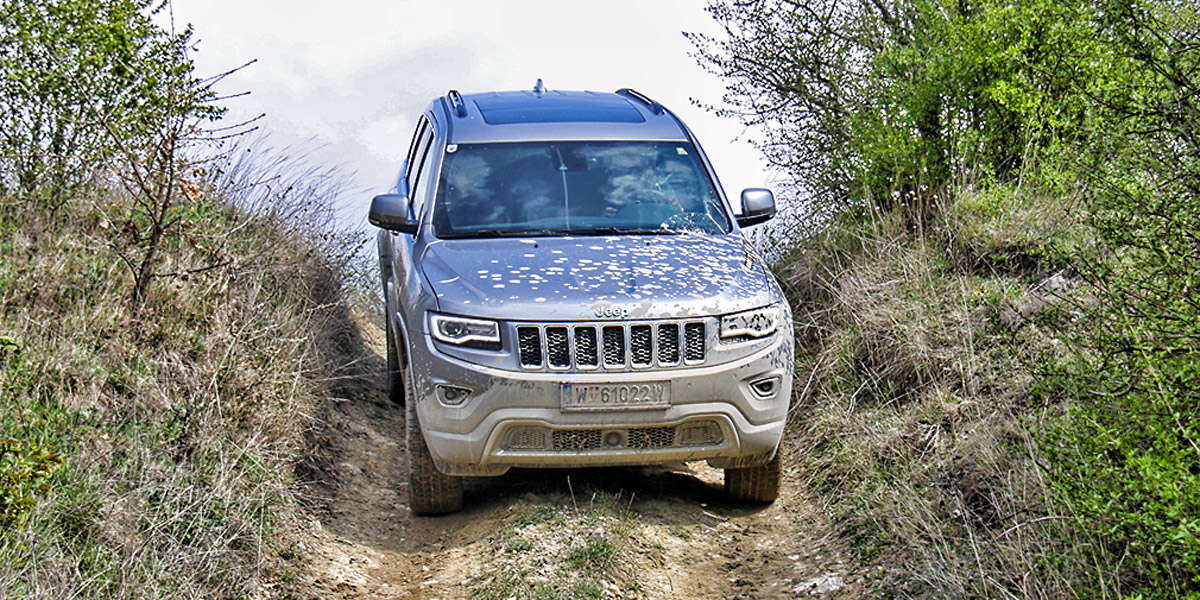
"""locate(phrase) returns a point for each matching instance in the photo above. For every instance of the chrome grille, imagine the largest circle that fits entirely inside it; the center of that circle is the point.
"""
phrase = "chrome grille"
(600, 345)
(668, 343)
(530, 346)
(558, 353)
(614, 346)
(641, 348)
(585, 347)
(693, 334)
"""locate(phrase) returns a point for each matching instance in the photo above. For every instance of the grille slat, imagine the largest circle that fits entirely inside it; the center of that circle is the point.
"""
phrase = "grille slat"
(668, 343)
(558, 352)
(586, 353)
(611, 346)
(614, 346)
(640, 345)
(529, 342)
(693, 342)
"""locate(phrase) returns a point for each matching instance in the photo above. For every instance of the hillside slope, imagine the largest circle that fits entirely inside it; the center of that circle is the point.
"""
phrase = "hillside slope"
(150, 449)
(916, 411)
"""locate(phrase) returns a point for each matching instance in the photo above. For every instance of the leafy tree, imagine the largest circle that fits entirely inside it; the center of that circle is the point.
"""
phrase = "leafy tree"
(892, 101)
(96, 86)
(899, 102)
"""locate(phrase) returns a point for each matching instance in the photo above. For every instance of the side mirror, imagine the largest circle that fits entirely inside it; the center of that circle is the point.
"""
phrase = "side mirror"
(758, 205)
(390, 211)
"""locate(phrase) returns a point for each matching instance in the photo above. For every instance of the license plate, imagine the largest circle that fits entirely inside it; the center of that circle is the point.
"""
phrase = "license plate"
(616, 396)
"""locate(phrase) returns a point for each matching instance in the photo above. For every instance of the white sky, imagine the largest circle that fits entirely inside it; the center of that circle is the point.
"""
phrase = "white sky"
(350, 78)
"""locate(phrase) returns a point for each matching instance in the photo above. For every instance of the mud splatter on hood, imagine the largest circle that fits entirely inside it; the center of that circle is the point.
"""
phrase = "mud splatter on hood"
(596, 278)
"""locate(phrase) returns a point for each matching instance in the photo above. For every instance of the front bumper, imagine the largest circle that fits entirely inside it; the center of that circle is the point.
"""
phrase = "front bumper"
(514, 418)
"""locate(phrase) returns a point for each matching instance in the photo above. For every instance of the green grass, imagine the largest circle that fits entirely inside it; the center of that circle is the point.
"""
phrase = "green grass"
(594, 556)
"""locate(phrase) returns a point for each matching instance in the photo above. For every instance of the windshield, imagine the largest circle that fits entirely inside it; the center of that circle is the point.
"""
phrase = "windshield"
(575, 188)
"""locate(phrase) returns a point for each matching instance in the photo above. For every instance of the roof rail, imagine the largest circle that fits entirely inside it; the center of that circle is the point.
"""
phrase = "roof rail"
(456, 103)
(655, 107)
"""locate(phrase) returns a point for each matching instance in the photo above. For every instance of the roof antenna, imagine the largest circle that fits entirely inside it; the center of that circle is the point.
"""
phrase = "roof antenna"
(539, 88)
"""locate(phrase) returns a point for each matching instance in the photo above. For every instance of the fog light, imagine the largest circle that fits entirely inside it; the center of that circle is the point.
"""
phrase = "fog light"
(453, 395)
(765, 388)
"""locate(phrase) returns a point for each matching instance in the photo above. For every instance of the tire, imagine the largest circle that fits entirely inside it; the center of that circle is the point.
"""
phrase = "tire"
(755, 484)
(395, 376)
(430, 492)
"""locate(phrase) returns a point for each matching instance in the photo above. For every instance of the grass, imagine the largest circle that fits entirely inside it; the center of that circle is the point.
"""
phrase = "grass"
(594, 556)
(914, 422)
(150, 451)
(554, 548)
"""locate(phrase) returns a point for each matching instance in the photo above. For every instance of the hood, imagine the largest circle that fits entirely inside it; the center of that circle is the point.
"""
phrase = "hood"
(597, 278)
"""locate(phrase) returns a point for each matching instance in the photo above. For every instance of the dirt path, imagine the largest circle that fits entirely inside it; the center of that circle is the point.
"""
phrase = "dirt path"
(592, 533)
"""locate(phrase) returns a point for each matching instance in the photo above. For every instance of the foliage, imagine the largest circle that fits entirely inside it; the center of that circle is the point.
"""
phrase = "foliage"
(177, 427)
(892, 101)
(1126, 459)
(25, 467)
(96, 90)
(965, 117)
(24, 474)
(148, 432)
(81, 79)
(910, 425)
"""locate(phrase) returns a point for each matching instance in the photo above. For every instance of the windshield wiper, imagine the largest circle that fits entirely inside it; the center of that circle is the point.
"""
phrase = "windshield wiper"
(614, 231)
(495, 233)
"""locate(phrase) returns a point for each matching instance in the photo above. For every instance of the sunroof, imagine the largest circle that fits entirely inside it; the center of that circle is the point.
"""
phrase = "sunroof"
(500, 110)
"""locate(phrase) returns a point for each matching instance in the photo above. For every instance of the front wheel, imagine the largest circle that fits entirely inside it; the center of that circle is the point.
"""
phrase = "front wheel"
(755, 484)
(430, 492)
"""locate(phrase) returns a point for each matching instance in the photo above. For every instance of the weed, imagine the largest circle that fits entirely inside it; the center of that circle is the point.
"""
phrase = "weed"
(594, 556)
(151, 455)
(679, 531)
(534, 515)
(587, 589)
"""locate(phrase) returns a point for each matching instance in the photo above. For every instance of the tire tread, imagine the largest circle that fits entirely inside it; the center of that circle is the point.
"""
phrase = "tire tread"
(430, 492)
(755, 484)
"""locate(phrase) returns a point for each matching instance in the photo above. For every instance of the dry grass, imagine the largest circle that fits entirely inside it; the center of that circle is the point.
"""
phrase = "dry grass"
(914, 416)
(180, 425)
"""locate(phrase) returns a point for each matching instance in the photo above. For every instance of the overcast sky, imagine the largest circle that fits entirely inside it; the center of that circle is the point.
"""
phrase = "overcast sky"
(352, 77)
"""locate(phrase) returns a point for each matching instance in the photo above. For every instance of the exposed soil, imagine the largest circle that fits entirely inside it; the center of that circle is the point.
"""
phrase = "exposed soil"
(681, 537)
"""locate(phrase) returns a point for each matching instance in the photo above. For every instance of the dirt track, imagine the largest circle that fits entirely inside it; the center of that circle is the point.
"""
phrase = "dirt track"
(681, 538)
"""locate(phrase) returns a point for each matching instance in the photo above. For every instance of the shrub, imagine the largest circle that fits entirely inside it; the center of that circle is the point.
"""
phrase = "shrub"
(1125, 458)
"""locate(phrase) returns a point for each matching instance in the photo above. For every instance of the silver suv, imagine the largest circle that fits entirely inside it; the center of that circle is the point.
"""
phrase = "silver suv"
(566, 286)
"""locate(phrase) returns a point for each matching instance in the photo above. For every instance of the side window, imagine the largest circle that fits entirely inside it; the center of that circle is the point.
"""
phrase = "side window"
(414, 152)
(417, 169)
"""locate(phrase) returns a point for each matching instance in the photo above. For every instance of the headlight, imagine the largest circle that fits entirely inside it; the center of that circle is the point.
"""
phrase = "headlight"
(464, 332)
(756, 323)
